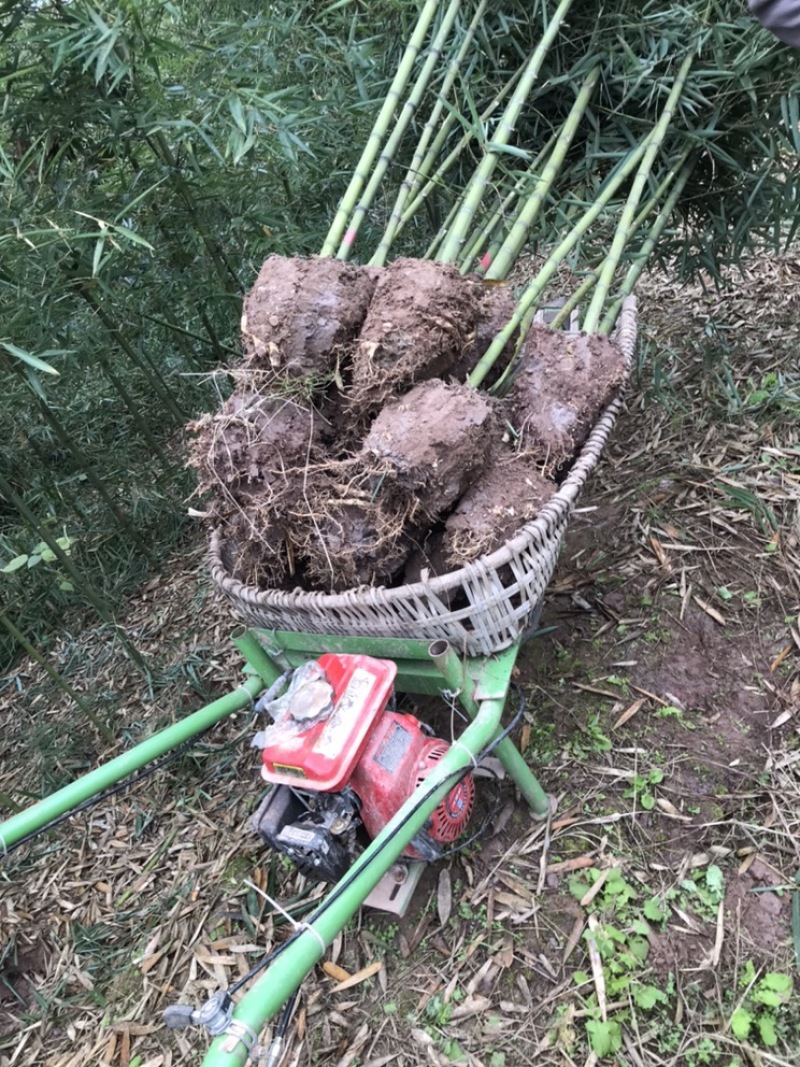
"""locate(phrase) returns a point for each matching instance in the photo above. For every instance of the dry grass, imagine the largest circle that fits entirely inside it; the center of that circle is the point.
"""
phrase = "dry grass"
(664, 715)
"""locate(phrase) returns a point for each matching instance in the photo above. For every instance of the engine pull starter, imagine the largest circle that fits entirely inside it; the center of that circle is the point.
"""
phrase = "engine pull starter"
(340, 765)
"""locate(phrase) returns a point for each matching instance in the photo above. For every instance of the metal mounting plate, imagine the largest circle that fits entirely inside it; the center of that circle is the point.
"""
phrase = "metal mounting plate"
(394, 891)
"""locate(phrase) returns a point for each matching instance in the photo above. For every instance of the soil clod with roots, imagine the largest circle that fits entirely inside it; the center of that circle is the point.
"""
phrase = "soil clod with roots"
(352, 453)
(419, 325)
(509, 493)
(302, 313)
(563, 382)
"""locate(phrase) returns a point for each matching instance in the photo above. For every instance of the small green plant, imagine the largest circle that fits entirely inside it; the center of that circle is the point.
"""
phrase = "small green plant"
(594, 739)
(759, 1011)
(621, 683)
(41, 553)
(641, 788)
(701, 895)
(669, 711)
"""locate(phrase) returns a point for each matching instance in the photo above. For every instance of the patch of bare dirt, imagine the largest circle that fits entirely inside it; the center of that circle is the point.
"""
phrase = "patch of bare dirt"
(24, 963)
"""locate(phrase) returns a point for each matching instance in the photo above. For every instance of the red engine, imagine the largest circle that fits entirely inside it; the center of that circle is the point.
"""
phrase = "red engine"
(339, 760)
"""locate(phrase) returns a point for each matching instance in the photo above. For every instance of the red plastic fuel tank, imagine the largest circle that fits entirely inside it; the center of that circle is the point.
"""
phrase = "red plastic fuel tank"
(322, 756)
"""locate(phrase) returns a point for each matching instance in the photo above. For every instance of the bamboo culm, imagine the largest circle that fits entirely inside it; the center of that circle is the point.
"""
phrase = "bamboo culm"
(376, 137)
(456, 237)
(402, 122)
(412, 174)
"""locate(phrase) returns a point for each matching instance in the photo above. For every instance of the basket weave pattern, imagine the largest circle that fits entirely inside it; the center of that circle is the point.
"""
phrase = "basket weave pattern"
(499, 592)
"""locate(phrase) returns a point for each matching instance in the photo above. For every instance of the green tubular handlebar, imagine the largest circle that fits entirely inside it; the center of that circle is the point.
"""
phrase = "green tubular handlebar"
(44, 811)
(285, 974)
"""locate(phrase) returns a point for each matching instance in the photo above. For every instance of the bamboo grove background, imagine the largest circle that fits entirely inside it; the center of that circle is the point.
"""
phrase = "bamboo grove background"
(153, 154)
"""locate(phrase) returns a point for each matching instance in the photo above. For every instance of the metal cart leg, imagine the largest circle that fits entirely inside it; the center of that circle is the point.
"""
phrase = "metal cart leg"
(491, 682)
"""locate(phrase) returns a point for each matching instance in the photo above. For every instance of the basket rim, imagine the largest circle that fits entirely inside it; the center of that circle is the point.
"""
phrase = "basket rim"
(539, 527)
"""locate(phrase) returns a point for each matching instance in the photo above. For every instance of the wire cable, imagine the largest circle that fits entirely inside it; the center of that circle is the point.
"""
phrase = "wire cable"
(119, 787)
(349, 879)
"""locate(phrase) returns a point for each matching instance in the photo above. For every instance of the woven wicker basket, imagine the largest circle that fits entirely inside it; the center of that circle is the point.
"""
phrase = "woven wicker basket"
(500, 592)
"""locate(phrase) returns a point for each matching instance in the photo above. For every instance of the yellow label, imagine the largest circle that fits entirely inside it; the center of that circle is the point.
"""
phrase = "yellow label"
(285, 768)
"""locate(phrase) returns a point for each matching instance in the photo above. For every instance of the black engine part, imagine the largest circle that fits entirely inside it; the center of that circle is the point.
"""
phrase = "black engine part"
(317, 831)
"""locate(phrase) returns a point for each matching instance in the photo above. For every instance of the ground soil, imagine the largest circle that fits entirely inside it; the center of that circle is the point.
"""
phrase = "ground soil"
(301, 314)
(564, 382)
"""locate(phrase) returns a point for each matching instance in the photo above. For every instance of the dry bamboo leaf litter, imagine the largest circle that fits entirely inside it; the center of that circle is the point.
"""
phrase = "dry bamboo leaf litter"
(119, 886)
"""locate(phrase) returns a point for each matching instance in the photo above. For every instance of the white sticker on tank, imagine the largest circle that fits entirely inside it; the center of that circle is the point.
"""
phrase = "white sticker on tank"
(338, 727)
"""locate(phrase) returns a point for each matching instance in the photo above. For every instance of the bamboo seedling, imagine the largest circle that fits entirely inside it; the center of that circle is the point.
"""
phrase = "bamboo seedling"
(642, 257)
(407, 112)
(537, 286)
(624, 227)
(437, 180)
(506, 255)
(573, 301)
(363, 168)
(487, 232)
(415, 169)
(457, 234)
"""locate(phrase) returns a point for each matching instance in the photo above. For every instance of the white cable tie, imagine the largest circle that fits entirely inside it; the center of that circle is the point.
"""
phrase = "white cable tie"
(298, 927)
(469, 752)
(451, 695)
(238, 1031)
(243, 685)
(3, 846)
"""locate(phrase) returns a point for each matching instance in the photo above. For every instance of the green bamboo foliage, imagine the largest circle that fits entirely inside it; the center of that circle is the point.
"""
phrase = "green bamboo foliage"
(337, 232)
(79, 580)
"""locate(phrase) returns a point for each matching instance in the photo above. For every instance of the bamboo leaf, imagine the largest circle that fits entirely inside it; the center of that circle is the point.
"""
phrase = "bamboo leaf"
(28, 358)
(17, 563)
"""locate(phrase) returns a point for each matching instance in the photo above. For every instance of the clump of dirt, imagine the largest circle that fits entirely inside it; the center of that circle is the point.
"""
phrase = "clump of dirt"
(301, 314)
(433, 441)
(563, 383)
(254, 444)
(355, 533)
(421, 319)
(496, 305)
(253, 455)
(508, 494)
(351, 452)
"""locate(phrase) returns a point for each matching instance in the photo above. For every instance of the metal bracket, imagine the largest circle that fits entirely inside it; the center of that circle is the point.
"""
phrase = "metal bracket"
(214, 1015)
